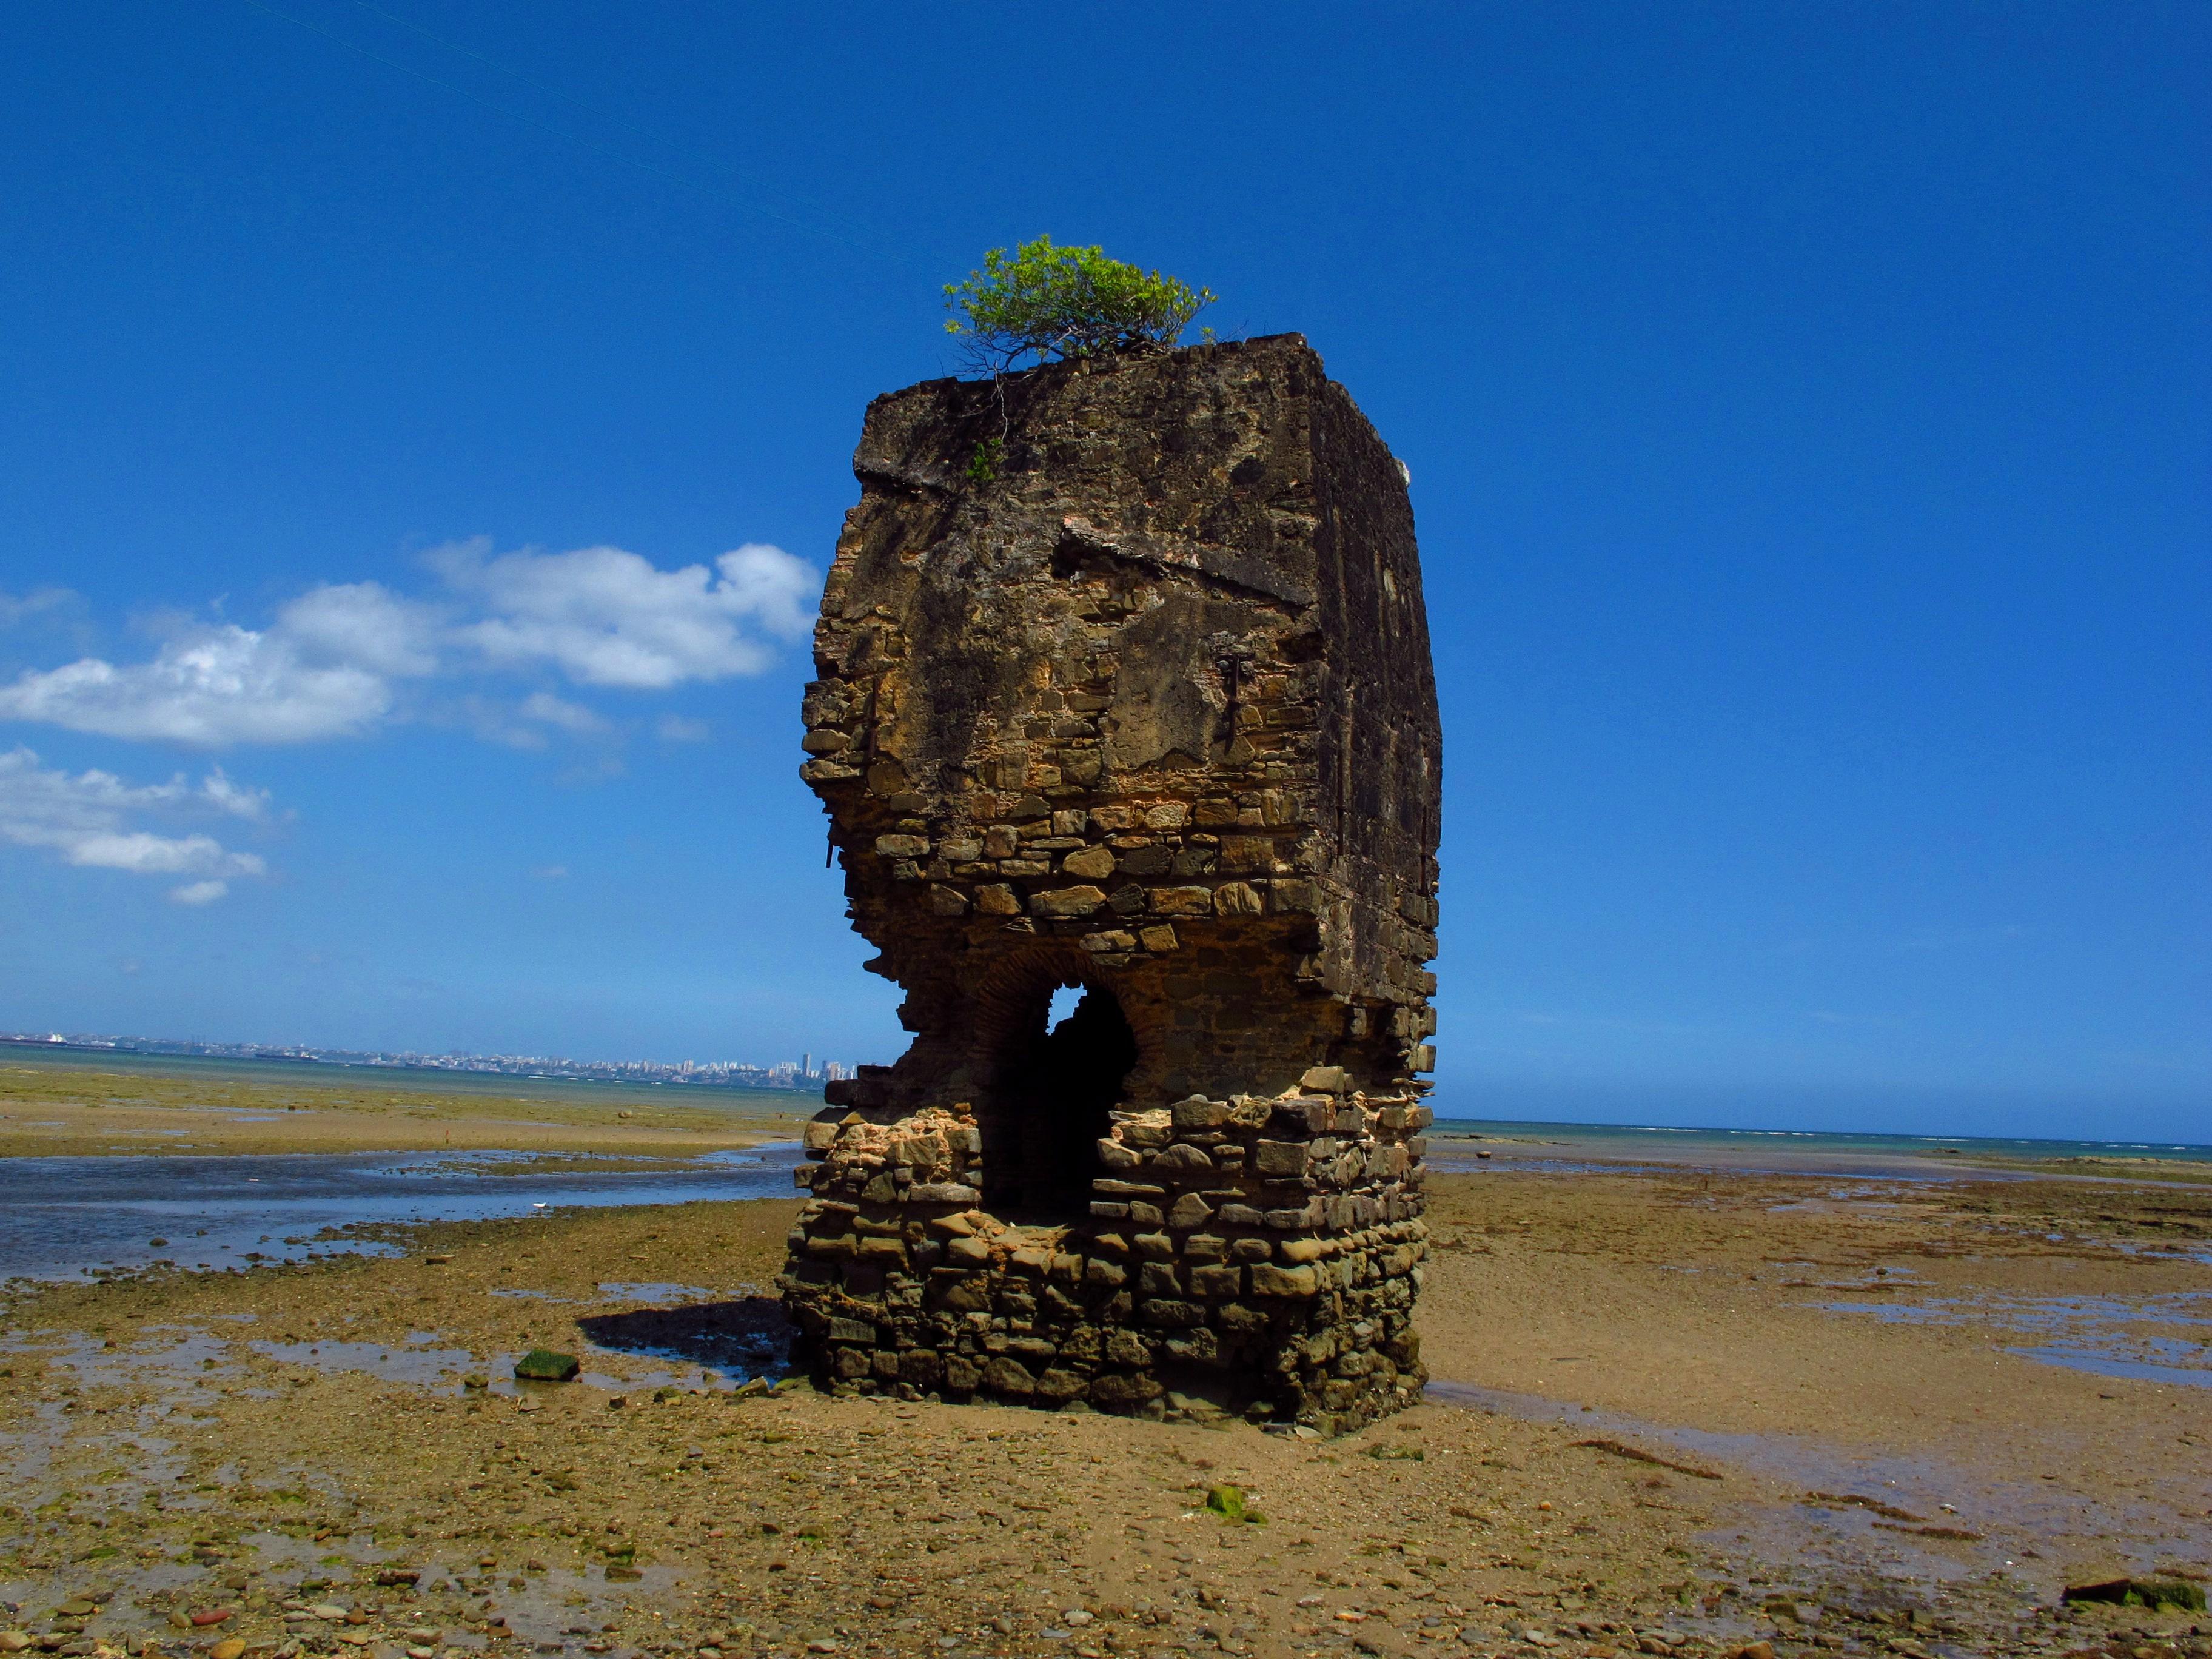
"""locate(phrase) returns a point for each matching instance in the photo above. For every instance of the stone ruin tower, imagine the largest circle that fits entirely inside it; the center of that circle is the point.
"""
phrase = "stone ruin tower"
(1125, 686)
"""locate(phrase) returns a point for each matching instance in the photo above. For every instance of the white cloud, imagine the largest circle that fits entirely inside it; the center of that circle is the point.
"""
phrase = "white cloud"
(334, 661)
(604, 616)
(677, 728)
(571, 717)
(88, 819)
(199, 892)
(214, 686)
(364, 625)
(219, 791)
(14, 610)
(523, 725)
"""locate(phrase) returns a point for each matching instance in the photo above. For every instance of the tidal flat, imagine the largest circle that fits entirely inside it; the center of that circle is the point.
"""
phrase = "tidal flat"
(49, 1110)
(1674, 1411)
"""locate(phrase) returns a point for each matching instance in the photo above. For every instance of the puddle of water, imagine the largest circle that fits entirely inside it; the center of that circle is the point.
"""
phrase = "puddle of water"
(424, 1365)
(80, 1444)
(2140, 1371)
(645, 1293)
(1445, 1163)
(547, 1606)
(2101, 1334)
(70, 1218)
(2011, 1516)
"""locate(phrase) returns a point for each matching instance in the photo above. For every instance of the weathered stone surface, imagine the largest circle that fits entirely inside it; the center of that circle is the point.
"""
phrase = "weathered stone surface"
(1182, 1162)
(1144, 706)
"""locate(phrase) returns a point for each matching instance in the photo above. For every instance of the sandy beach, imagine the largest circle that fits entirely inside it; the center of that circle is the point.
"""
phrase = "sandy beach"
(1674, 1411)
(76, 1111)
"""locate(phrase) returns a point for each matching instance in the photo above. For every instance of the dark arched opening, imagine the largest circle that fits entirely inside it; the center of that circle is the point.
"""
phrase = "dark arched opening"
(1055, 1095)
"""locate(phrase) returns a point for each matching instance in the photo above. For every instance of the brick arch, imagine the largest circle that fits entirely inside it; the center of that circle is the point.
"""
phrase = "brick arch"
(1016, 989)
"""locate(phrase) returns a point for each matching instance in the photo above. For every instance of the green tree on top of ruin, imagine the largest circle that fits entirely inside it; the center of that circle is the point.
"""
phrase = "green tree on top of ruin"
(1053, 302)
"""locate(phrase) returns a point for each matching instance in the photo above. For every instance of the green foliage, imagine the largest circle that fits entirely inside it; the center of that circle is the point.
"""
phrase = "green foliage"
(2156, 1593)
(1056, 302)
(983, 465)
(1227, 1502)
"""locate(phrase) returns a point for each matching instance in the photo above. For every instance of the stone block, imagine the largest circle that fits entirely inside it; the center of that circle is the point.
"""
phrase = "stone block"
(1237, 898)
(1197, 1112)
(1092, 863)
(1104, 1275)
(1279, 1159)
(1270, 1280)
(1218, 1281)
(1113, 1391)
(1180, 901)
(1056, 1386)
(1170, 1312)
(1239, 1322)
(1065, 904)
(1181, 1162)
(1007, 1377)
(961, 1292)
(1190, 1211)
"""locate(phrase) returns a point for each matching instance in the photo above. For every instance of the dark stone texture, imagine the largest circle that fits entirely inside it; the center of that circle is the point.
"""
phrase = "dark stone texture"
(1147, 710)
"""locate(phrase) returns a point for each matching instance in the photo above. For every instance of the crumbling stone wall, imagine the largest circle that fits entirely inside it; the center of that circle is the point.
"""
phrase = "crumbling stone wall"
(1124, 684)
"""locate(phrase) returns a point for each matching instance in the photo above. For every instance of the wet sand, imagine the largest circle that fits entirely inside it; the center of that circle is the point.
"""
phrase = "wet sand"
(73, 1111)
(194, 1442)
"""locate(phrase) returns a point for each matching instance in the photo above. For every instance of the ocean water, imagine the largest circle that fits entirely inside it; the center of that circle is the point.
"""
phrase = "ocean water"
(1457, 1143)
(411, 1079)
(67, 1218)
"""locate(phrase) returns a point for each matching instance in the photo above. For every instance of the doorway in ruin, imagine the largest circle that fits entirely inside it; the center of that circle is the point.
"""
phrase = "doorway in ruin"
(1059, 1081)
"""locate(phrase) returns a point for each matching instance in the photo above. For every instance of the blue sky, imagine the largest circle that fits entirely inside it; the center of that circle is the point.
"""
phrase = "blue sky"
(1807, 408)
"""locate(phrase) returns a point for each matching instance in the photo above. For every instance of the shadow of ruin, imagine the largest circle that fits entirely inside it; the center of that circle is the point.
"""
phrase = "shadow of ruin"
(1125, 686)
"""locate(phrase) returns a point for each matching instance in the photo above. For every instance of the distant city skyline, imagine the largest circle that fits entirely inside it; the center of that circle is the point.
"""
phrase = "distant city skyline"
(728, 1073)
